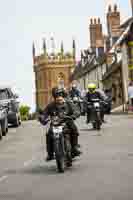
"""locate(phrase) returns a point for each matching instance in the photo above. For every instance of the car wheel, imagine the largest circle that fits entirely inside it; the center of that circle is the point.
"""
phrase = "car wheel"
(20, 121)
(0, 133)
(4, 126)
(16, 122)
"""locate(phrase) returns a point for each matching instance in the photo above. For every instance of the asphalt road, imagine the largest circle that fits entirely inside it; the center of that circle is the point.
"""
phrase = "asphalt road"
(103, 172)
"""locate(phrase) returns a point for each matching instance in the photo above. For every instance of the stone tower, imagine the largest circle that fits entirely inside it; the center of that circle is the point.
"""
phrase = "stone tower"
(113, 23)
(52, 70)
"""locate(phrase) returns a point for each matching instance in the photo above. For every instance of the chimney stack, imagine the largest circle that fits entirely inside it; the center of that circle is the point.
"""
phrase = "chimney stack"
(92, 29)
(113, 22)
(96, 34)
(33, 52)
(132, 7)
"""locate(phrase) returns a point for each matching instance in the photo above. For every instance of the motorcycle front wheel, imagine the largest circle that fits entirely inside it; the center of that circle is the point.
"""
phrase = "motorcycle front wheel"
(68, 149)
(59, 156)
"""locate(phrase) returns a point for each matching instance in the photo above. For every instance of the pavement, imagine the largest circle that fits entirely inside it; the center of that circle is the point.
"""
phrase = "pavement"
(103, 172)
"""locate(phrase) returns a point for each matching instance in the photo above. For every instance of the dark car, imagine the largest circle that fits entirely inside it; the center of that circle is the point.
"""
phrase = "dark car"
(8, 98)
(3, 120)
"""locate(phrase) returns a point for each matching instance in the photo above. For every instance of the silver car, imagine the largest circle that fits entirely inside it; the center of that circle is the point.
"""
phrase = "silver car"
(7, 97)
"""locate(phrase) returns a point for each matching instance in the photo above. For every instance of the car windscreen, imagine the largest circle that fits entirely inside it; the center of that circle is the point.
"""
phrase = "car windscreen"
(3, 94)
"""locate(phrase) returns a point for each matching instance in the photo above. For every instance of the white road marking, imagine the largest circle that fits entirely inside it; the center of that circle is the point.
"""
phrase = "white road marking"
(27, 163)
(3, 178)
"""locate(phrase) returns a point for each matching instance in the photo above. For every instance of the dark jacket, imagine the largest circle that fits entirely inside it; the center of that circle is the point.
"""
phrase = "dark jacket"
(74, 92)
(96, 95)
(59, 110)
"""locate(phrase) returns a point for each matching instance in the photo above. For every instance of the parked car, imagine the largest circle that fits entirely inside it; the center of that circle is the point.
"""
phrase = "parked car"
(8, 98)
(3, 120)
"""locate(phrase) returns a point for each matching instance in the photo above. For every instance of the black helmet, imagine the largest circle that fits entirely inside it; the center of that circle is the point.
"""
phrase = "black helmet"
(56, 92)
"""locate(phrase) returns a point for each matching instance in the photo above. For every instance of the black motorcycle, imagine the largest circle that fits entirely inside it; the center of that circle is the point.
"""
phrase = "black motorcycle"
(62, 143)
(94, 107)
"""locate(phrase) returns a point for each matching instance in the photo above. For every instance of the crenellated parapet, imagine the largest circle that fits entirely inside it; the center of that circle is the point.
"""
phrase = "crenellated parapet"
(60, 57)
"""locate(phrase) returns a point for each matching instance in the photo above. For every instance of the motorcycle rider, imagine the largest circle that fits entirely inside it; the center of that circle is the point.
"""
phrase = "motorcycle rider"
(104, 103)
(74, 91)
(93, 94)
(61, 108)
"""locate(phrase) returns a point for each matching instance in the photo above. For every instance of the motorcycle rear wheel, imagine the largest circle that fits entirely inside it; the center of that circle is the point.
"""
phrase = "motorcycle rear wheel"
(98, 126)
(94, 125)
(68, 148)
(60, 165)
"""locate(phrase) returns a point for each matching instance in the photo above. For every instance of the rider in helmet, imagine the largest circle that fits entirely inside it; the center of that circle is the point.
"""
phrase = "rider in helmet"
(74, 91)
(59, 107)
(92, 94)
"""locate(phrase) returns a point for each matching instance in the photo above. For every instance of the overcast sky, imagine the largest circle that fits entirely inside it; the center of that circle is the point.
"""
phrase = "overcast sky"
(25, 21)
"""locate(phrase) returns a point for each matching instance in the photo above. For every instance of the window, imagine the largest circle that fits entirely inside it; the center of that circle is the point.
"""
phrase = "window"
(3, 94)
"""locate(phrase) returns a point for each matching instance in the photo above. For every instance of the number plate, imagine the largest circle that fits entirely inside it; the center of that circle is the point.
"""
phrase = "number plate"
(75, 99)
(97, 104)
(57, 129)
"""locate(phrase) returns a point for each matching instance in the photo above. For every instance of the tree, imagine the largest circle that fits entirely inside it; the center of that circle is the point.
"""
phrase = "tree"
(24, 112)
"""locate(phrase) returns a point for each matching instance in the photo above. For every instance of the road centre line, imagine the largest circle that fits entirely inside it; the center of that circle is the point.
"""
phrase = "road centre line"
(27, 163)
(3, 178)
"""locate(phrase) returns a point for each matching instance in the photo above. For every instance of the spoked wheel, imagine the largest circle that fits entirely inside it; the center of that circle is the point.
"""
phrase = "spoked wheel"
(98, 126)
(68, 154)
(59, 156)
(99, 121)
(60, 165)
(94, 125)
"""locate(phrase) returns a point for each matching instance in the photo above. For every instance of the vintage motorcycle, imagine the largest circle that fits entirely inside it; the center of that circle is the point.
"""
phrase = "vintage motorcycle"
(94, 108)
(61, 142)
(77, 104)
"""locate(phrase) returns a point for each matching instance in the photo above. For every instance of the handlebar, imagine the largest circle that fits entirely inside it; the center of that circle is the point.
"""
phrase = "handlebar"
(96, 100)
(68, 117)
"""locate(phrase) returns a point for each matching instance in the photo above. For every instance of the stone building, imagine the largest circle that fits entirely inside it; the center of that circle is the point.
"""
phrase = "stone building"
(110, 63)
(52, 70)
(120, 71)
(91, 68)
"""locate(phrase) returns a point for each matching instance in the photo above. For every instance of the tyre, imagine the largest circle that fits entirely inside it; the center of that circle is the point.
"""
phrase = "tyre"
(16, 121)
(4, 127)
(68, 158)
(0, 133)
(94, 125)
(99, 121)
(59, 156)
(19, 118)
(60, 165)
(98, 125)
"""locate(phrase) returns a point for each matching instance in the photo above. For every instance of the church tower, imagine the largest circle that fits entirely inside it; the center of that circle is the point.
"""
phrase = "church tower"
(52, 69)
